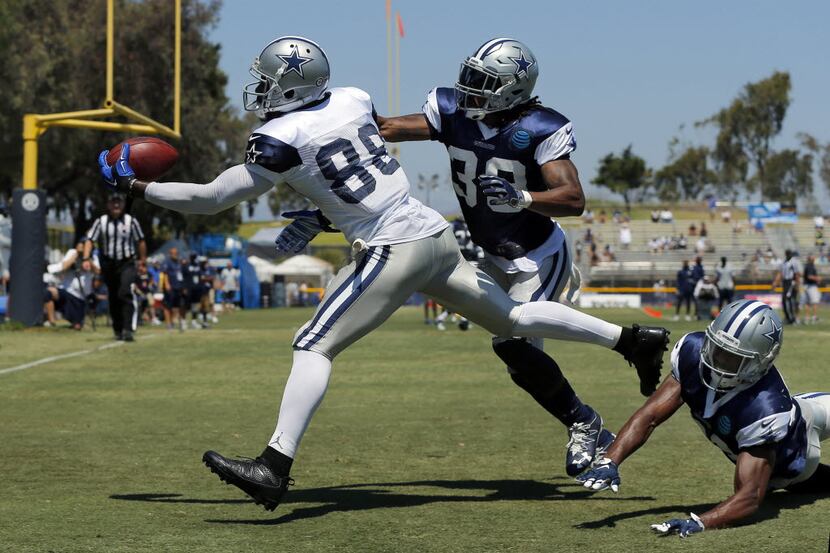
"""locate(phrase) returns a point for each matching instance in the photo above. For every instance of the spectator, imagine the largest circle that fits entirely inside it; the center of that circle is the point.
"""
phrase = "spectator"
(818, 222)
(625, 236)
(697, 275)
(712, 203)
(74, 286)
(726, 216)
(692, 230)
(701, 245)
(589, 236)
(209, 281)
(789, 277)
(617, 217)
(602, 216)
(685, 290)
(303, 294)
(725, 283)
(703, 232)
(230, 286)
(682, 243)
(655, 216)
(666, 216)
(594, 256)
(143, 290)
(588, 217)
(706, 293)
(811, 290)
(608, 253)
(172, 283)
(758, 226)
(578, 248)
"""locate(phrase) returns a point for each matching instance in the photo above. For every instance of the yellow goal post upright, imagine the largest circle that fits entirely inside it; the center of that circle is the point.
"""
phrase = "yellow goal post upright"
(29, 205)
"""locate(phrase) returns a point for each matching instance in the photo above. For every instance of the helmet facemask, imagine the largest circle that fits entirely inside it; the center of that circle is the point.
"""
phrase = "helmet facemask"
(724, 365)
(479, 90)
(264, 94)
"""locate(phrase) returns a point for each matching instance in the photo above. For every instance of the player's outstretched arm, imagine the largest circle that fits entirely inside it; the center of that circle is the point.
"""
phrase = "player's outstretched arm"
(404, 128)
(233, 186)
(564, 196)
(752, 473)
(654, 412)
(635, 432)
(753, 470)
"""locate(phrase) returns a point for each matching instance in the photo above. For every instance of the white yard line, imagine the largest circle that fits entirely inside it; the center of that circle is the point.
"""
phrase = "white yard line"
(45, 360)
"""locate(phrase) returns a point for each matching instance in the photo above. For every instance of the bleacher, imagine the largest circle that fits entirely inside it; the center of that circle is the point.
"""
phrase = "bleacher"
(639, 266)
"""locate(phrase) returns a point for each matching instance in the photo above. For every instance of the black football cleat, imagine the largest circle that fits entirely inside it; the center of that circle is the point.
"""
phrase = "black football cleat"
(646, 354)
(252, 476)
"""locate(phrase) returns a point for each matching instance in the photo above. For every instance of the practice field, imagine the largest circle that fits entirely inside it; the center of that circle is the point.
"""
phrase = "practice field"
(422, 444)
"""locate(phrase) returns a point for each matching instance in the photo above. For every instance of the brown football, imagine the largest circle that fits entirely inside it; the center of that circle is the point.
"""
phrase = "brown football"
(150, 157)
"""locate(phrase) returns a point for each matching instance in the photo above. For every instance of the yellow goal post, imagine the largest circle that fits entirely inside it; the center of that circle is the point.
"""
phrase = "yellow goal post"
(35, 124)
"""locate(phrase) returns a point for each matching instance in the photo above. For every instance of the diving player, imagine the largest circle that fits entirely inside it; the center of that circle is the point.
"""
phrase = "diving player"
(741, 403)
(511, 170)
(325, 145)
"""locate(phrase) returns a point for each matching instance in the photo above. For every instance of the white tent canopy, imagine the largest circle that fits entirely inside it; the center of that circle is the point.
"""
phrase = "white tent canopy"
(297, 266)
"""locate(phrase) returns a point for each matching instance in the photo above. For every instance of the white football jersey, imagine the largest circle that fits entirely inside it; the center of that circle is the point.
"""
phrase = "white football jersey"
(332, 153)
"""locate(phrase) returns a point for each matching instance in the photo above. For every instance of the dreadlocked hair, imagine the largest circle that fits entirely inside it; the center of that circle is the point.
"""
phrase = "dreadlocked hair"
(500, 118)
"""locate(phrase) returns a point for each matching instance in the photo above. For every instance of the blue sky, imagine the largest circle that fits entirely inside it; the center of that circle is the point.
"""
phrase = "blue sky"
(623, 72)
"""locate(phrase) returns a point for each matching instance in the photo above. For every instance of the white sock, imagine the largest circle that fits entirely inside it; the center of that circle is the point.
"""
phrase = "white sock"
(547, 319)
(303, 393)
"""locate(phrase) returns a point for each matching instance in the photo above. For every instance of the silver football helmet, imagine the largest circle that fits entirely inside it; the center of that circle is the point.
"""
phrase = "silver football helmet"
(291, 71)
(500, 75)
(741, 345)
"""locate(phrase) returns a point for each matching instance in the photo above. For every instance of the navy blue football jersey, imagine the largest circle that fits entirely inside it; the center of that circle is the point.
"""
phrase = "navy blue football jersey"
(515, 152)
(763, 413)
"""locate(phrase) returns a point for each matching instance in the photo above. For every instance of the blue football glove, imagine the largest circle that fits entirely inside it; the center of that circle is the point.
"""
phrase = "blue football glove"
(500, 192)
(684, 528)
(119, 177)
(603, 475)
(306, 225)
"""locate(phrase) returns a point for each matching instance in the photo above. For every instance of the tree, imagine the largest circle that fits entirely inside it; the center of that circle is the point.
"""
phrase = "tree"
(788, 176)
(60, 66)
(746, 129)
(685, 175)
(821, 153)
(622, 174)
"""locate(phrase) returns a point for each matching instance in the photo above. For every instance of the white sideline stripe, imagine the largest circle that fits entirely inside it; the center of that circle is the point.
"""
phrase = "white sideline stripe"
(45, 360)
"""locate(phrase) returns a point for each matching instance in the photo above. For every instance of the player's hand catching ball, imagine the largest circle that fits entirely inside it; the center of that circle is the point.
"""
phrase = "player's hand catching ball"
(119, 176)
(500, 192)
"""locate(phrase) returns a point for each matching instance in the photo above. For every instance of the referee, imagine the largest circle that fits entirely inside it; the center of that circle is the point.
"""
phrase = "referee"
(119, 239)
(789, 277)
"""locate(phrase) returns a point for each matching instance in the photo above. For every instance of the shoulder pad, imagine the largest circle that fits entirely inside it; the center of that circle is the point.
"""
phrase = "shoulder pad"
(270, 153)
(543, 122)
(447, 104)
(354, 92)
(768, 429)
(688, 345)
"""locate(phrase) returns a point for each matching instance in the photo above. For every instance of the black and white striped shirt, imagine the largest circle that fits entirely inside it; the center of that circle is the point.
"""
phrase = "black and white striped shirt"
(116, 238)
(790, 268)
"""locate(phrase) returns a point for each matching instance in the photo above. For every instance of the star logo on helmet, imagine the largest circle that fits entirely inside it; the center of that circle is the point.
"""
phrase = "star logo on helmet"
(522, 64)
(295, 62)
(774, 335)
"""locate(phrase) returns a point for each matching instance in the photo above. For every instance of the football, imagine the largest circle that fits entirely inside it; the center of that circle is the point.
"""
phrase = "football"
(150, 157)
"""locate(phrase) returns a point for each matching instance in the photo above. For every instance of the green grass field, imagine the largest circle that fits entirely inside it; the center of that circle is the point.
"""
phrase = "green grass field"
(423, 444)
